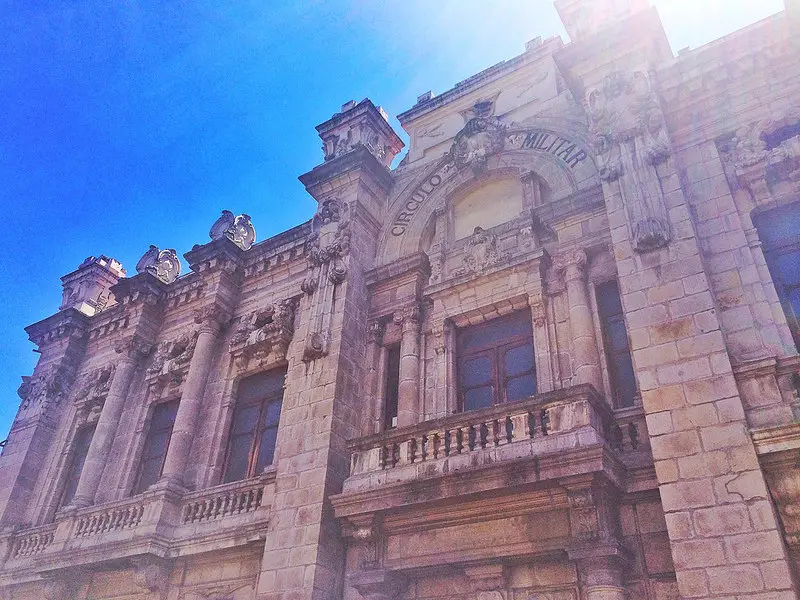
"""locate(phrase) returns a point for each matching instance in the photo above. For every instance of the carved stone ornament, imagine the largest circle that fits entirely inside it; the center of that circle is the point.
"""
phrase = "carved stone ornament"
(481, 253)
(47, 387)
(328, 248)
(95, 383)
(151, 576)
(228, 591)
(328, 245)
(171, 359)
(583, 521)
(163, 264)
(237, 229)
(629, 139)
(57, 589)
(482, 137)
(375, 332)
(133, 347)
(264, 332)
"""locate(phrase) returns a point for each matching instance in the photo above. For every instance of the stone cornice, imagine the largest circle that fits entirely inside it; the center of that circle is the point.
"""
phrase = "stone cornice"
(358, 159)
(772, 440)
(62, 324)
(414, 264)
(144, 287)
(218, 254)
(478, 80)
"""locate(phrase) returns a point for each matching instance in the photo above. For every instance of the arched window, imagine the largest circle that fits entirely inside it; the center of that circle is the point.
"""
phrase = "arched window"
(779, 231)
(254, 428)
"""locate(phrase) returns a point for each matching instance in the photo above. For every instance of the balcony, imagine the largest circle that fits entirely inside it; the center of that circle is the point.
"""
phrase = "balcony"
(163, 522)
(551, 436)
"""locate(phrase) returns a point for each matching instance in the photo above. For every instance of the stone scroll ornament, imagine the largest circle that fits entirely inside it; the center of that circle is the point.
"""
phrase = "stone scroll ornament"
(163, 264)
(237, 229)
(328, 249)
(629, 139)
(47, 387)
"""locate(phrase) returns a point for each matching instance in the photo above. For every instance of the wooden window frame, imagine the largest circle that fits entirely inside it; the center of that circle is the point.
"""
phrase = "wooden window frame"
(263, 404)
(496, 352)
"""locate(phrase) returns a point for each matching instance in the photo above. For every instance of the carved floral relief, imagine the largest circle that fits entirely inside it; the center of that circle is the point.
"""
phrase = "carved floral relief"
(46, 387)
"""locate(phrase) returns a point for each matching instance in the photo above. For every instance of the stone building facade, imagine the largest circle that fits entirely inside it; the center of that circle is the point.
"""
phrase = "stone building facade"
(551, 355)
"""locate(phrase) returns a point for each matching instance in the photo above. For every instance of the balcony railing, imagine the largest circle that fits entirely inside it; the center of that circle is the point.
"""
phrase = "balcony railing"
(123, 527)
(576, 410)
(226, 500)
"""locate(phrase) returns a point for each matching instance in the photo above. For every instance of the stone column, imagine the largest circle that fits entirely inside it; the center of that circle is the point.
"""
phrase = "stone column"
(132, 350)
(586, 357)
(408, 390)
(376, 359)
(600, 578)
(183, 432)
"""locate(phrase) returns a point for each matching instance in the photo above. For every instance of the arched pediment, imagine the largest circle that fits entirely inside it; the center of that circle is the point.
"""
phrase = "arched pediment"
(483, 150)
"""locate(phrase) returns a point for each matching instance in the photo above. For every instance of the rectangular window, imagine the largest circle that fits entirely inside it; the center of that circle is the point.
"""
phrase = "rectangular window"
(254, 428)
(156, 445)
(495, 362)
(779, 232)
(392, 387)
(615, 341)
(80, 448)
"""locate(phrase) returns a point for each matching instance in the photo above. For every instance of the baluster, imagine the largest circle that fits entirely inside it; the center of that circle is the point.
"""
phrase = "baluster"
(259, 497)
(545, 420)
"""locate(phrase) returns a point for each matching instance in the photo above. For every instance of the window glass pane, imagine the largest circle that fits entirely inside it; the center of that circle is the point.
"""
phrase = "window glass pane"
(519, 360)
(779, 226)
(245, 418)
(626, 382)
(478, 398)
(266, 449)
(608, 300)
(238, 456)
(392, 386)
(149, 474)
(789, 268)
(475, 371)
(489, 334)
(260, 385)
(273, 413)
(164, 415)
(617, 335)
(520, 388)
(156, 444)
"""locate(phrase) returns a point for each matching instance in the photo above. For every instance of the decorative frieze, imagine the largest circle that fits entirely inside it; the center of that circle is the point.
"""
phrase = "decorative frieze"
(629, 138)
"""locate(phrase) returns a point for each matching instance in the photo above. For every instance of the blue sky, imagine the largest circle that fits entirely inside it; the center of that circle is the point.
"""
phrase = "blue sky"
(131, 123)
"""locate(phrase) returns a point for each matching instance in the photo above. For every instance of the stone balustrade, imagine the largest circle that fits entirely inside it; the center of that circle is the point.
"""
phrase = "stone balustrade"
(33, 541)
(227, 500)
(127, 517)
(161, 519)
(553, 420)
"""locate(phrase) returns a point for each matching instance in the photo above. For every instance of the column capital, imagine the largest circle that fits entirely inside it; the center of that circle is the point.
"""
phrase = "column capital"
(408, 317)
(211, 318)
(489, 581)
(378, 584)
(572, 263)
(134, 348)
(375, 331)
